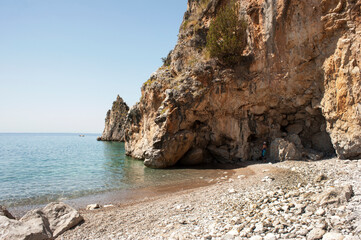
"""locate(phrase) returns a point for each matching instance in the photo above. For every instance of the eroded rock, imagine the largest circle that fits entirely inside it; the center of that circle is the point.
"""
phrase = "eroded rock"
(299, 76)
(114, 129)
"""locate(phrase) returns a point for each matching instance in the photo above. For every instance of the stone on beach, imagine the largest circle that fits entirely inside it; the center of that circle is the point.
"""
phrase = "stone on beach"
(5, 212)
(316, 233)
(333, 236)
(92, 206)
(335, 195)
(35, 228)
(40, 224)
(284, 209)
(61, 217)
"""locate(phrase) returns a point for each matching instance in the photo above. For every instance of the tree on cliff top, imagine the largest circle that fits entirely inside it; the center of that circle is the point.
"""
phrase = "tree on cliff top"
(226, 38)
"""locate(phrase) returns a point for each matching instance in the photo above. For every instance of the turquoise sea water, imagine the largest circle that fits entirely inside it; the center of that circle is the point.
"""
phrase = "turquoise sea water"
(40, 168)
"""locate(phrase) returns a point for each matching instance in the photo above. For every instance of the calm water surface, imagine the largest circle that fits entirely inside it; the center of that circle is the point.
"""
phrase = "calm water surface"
(40, 168)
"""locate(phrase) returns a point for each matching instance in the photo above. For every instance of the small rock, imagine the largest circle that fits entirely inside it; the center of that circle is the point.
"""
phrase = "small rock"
(236, 220)
(349, 237)
(231, 234)
(320, 212)
(333, 236)
(310, 208)
(321, 177)
(257, 237)
(108, 205)
(267, 179)
(259, 228)
(302, 232)
(231, 190)
(322, 225)
(316, 233)
(270, 236)
(358, 227)
(92, 206)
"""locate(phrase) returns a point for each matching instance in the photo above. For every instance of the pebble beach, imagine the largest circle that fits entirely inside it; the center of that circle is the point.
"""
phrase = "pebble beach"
(266, 201)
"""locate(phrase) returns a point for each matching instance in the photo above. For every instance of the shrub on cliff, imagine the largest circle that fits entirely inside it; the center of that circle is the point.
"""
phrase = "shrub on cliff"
(226, 38)
(167, 60)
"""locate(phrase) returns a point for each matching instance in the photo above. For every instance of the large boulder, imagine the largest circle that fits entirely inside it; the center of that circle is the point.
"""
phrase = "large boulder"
(34, 228)
(282, 150)
(40, 224)
(61, 217)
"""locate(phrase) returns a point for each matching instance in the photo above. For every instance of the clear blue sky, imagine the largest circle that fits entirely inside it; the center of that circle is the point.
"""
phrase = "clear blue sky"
(63, 62)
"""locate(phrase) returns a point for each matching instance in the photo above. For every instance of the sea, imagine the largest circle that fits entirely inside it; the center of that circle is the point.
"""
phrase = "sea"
(38, 168)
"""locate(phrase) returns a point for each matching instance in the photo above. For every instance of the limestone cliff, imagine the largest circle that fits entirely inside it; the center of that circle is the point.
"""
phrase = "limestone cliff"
(298, 87)
(114, 121)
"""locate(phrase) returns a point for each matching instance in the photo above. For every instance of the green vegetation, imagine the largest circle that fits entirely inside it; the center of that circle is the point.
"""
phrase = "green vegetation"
(226, 38)
(167, 60)
(149, 81)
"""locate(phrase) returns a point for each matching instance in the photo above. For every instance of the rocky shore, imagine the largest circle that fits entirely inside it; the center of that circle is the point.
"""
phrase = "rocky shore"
(287, 200)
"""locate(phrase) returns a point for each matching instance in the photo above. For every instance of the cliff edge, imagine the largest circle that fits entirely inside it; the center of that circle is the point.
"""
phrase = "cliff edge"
(297, 87)
(115, 121)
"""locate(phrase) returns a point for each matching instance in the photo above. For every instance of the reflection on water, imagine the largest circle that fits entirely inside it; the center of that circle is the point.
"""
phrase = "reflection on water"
(121, 170)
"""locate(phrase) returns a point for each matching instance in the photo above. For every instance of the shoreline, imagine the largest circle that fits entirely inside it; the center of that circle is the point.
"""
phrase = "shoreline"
(235, 209)
(141, 194)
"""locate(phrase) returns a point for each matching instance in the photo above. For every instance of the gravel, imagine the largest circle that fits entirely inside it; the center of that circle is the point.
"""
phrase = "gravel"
(279, 201)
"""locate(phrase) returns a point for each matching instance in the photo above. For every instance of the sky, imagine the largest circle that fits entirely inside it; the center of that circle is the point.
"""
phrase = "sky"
(63, 62)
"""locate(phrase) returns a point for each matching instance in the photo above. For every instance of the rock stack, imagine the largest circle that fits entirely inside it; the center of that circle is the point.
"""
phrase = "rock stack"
(114, 122)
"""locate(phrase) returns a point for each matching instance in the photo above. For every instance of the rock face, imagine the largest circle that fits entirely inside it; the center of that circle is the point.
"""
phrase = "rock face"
(40, 224)
(114, 121)
(299, 78)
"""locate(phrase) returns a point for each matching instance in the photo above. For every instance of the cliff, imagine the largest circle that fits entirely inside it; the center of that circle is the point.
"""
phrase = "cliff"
(297, 87)
(115, 121)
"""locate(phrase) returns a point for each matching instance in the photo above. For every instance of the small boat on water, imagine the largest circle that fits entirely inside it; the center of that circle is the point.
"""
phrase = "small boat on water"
(81, 135)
